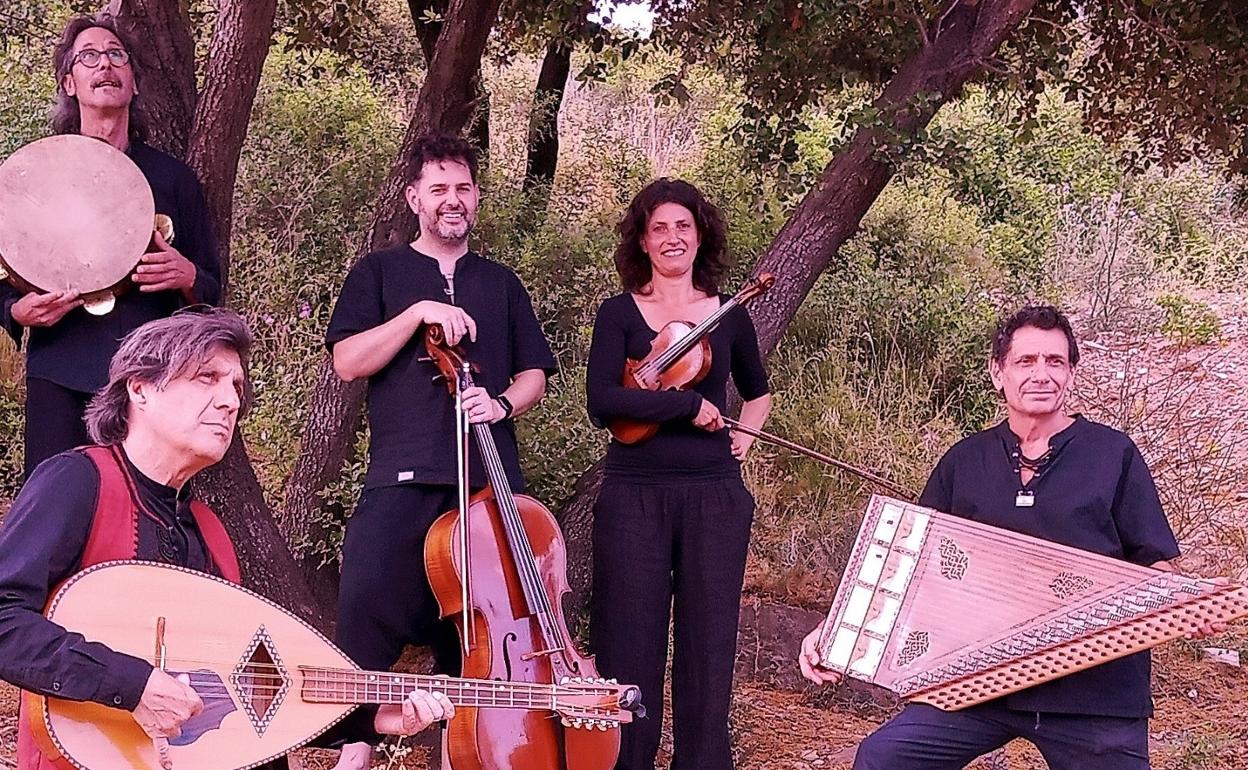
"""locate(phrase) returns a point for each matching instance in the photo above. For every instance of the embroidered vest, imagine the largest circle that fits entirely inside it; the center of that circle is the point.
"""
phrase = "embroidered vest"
(114, 535)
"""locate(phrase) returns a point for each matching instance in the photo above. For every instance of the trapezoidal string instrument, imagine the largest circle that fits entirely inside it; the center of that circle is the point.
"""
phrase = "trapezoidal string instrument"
(679, 357)
(76, 214)
(269, 682)
(950, 612)
(498, 565)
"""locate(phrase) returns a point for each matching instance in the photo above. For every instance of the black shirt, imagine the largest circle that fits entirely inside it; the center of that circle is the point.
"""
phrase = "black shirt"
(411, 417)
(74, 352)
(41, 545)
(1094, 493)
(680, 449)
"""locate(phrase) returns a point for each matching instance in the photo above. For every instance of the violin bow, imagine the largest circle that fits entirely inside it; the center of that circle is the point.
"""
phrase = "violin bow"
(825, 459)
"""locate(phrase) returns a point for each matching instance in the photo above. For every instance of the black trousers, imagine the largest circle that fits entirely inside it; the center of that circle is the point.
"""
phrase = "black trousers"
(53, 421)
(922, 737)
(671, 553)
(384, 599)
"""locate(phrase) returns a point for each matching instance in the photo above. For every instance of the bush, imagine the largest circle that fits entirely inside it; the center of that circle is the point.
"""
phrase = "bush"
(12, 403)
(1188, 322)
(316, 153)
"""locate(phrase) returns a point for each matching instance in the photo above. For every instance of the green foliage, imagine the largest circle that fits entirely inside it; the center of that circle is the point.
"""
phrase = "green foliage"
(315, 156)
(889, 423)
(25, 100)
(1188, 321)
(12, 401)
(1171, 76)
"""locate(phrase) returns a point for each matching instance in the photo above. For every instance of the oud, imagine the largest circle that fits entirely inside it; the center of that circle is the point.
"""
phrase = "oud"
(269, 682)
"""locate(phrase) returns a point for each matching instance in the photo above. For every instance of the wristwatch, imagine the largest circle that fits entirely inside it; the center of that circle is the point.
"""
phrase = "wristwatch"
(507, 407)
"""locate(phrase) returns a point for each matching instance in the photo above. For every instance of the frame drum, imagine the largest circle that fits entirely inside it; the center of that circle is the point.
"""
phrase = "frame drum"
(76, 214)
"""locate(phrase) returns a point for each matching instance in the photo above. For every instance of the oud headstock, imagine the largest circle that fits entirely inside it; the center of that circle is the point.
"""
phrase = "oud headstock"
(601, 704)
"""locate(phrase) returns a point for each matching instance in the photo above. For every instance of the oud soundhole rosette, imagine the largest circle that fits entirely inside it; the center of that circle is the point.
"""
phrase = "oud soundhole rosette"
(260, 681)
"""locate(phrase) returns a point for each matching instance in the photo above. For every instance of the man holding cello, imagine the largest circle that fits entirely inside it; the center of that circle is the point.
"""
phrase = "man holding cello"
(67, 348)
(376, 332)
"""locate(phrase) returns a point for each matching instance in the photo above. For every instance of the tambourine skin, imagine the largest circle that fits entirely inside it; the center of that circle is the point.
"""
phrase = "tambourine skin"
(76, 214)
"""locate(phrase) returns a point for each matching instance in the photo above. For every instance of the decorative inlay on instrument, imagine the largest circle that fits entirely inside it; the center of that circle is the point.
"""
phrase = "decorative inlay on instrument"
(950, 612)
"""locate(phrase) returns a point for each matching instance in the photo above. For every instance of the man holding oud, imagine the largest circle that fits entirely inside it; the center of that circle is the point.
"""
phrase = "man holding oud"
(1060, 477)
(68, 349)
(176, 388)
(377, 330)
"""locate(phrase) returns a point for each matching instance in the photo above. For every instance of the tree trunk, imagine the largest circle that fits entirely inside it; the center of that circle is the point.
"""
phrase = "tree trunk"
(269, 568)
(211, 133)
(166, 57)
(445, 103)
(959, 46)
(544, 119)
(240, 44)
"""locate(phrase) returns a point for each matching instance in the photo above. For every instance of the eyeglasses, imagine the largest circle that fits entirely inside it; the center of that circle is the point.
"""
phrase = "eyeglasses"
(118, 57)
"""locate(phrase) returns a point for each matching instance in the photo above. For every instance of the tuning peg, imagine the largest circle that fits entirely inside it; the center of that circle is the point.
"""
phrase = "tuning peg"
(613, 681)
(564, 680)
(565, 722)
(602, 725)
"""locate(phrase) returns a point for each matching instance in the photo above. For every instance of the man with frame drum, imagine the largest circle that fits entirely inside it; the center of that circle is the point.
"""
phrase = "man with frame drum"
(67, 348)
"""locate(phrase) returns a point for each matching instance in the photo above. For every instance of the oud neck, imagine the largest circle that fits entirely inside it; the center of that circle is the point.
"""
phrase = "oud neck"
(350, 686)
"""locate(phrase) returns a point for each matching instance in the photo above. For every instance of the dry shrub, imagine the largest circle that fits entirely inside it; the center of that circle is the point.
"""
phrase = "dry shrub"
(1102, 265)
(808, 513)
(1181, 408)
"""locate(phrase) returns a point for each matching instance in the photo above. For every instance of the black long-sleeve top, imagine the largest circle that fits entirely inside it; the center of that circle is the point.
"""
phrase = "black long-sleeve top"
(680, 450)
(41, 545)
(74, 352)
(1094, 492)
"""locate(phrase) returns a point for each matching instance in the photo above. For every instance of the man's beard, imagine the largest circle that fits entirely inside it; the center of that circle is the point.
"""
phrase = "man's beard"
(449, 233)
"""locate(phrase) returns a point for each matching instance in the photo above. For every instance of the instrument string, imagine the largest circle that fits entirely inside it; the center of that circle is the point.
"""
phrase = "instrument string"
(1007, 580)
(368, 678)
(522, 549)
(664, 361)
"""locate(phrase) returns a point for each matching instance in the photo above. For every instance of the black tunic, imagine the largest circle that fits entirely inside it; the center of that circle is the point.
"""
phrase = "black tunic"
(41, 545)
(74, 352)
(411, 417)
(680, 450)
(1094, 493)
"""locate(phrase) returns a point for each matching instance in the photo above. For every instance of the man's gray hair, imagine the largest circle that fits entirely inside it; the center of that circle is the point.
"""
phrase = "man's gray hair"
(160, 351)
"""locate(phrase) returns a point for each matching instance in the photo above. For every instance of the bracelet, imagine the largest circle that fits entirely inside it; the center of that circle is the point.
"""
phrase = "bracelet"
(506, 405)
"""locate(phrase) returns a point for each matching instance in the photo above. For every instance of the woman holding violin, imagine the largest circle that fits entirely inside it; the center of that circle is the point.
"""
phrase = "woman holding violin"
(672, 522)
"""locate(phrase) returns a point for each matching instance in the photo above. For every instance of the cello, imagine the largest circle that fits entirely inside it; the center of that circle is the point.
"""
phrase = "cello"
(499, 564)
(679, 358)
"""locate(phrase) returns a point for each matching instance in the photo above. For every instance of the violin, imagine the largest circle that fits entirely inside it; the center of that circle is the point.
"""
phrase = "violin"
(679, 358)
(499, 563)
